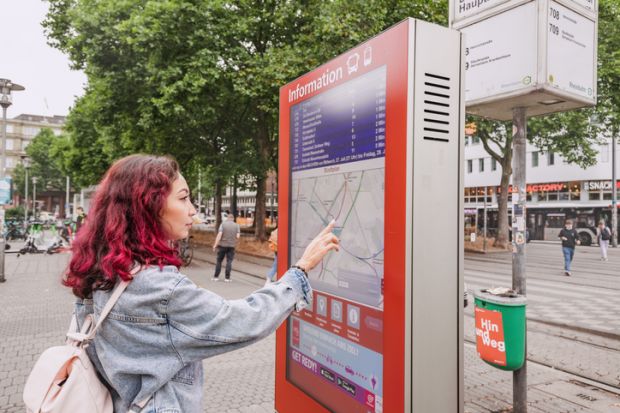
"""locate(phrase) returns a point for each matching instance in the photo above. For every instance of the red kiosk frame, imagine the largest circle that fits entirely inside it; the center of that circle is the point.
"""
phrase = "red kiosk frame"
(407, 51)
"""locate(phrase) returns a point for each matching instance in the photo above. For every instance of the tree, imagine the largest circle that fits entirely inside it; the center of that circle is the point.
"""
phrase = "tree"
(571, 134)
(194, 79)
(154, 83)
(608, 105)
(273, 42)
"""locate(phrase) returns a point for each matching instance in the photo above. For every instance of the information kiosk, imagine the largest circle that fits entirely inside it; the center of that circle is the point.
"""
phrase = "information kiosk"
(373, 139)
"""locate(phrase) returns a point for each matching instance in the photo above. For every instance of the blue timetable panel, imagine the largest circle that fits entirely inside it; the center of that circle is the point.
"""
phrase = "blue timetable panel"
(344, 124)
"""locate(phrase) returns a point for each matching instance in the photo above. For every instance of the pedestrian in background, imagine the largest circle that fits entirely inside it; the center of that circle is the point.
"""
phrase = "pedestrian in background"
(151, 347)
(273, 246)
(570, 239)
(603, 235)
(80, 219)
(225, 244)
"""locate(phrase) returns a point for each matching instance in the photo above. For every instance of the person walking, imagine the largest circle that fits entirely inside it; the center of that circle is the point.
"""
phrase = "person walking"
(149, 350)
(225, 244)
(603, 235)
(80, 219)
(273, 246)
(570, 239)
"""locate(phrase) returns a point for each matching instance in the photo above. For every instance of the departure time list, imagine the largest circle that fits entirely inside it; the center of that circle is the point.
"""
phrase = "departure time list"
(344, 124)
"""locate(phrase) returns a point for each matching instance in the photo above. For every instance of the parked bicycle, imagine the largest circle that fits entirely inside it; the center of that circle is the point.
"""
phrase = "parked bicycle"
(14, 230)
(45, 238)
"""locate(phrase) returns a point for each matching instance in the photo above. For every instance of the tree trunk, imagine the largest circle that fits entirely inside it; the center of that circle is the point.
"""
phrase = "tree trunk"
(218, 206)
(263, 151)
(501, 240)
(260, 231)
(233, 202)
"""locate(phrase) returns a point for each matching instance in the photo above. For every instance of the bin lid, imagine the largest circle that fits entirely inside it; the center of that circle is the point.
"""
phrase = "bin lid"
(502, 296)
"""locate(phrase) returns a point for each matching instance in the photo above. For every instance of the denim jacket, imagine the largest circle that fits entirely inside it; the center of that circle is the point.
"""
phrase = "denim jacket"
(154, 340)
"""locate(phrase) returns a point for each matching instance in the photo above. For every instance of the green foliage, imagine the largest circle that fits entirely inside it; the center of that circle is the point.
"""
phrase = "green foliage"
(199, 80)
(608, 106)
(16, 213)
(44, 164)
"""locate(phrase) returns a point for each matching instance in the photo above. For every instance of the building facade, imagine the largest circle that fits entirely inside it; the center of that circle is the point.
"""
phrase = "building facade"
(246, 200)
(556, 190)
(20, 131)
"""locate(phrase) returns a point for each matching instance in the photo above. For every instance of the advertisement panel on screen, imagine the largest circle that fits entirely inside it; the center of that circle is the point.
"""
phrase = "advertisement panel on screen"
(338, 172)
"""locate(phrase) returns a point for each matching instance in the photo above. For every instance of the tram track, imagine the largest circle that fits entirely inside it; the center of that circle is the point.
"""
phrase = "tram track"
(579, 354)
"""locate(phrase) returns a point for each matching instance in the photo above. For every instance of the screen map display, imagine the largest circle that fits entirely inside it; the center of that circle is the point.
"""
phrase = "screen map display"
(337, 142)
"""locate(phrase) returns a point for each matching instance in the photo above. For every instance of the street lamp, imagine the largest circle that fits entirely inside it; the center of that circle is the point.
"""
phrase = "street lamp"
(6, 87)
(34, 197)
(26, 164)
(614, 196)
(67, 209)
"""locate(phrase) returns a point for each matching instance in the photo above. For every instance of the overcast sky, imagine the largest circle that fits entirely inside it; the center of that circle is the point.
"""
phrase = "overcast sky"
(26, 59)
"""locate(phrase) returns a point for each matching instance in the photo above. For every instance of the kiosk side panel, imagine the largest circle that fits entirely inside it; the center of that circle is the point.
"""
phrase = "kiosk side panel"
(436, 305)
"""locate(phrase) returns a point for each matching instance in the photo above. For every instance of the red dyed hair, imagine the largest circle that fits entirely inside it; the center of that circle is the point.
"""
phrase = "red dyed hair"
(123, 226)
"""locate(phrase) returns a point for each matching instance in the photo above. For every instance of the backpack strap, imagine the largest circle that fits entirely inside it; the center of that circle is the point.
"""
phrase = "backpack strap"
(120, 288)
(87, 333)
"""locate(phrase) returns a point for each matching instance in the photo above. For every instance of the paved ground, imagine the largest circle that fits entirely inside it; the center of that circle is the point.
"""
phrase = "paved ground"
(35, 311)
(589, 299)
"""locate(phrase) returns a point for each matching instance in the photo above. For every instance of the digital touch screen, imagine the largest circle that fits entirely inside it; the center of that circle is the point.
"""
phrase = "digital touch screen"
(338, 172)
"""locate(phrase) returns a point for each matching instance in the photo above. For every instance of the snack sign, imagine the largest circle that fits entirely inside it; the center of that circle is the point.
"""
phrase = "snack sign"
(490, 342)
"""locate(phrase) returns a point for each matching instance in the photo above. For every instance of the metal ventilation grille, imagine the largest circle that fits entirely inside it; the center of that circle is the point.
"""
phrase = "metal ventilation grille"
(436, 107)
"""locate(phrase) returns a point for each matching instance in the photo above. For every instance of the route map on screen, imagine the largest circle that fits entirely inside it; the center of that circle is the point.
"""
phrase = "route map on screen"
(337, 141)
(343, 132)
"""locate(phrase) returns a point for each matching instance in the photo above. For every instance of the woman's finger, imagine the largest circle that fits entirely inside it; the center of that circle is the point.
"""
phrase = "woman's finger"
(328, 228)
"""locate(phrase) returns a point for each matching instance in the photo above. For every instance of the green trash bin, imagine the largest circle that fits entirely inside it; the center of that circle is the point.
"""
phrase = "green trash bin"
(500, 329)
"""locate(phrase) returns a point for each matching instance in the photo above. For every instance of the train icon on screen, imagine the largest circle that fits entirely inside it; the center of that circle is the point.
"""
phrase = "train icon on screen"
(353, 63)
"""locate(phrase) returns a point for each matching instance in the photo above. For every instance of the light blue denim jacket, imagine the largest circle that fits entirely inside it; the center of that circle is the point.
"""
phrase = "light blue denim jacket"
(163, 326)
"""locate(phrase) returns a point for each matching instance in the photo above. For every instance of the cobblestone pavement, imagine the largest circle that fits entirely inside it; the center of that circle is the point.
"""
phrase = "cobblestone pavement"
(589, 299)
(35, 312)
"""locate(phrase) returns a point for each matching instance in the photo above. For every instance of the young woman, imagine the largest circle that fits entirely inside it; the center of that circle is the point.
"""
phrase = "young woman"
(603, 235)
(151, 345)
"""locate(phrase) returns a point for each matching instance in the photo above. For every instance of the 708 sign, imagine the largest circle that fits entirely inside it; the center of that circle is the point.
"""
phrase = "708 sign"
(554, 14)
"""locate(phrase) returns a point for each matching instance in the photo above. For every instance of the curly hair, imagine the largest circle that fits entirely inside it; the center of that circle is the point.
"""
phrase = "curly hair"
(123, 226)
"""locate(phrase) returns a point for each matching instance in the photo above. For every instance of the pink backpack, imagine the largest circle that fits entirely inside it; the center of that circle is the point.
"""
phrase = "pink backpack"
(64, 379)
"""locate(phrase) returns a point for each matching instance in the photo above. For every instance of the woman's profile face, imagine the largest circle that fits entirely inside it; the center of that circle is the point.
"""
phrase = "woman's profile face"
(176, 216)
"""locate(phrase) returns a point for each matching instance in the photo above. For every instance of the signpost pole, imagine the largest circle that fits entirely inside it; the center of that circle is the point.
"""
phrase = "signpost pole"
(519, 130)
(484, 241)
(67, 209)
(2, 163)
(614, 196)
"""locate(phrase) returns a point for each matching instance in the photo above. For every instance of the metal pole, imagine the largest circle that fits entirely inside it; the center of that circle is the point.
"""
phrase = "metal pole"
(519, 131)
(3, 160)
(34, 197)
(67, 198)
(26, 200)
(484, 241)
(2, 240)
(614, 194)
